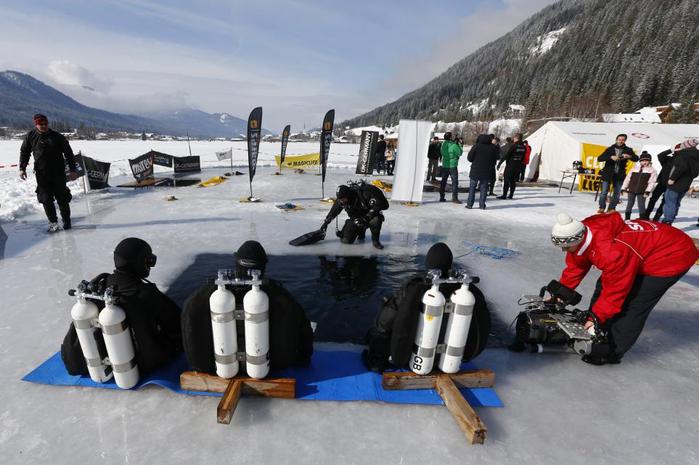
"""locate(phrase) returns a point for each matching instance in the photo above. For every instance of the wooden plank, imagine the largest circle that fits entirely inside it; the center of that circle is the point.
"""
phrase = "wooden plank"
(467, 419)
(229, 401)
(284, 388)
(463, 379)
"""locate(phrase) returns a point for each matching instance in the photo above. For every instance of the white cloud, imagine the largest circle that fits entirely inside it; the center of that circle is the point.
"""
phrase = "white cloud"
(468, 35)
(66, 73)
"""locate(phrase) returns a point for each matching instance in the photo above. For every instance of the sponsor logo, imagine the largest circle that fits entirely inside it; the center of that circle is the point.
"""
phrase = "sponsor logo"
(253, 124)
(327, 126)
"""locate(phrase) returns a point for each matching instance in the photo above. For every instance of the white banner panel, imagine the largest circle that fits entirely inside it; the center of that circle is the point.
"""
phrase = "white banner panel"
(411, 162)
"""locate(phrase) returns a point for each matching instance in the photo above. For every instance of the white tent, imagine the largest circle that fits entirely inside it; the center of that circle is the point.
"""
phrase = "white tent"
(557, 144)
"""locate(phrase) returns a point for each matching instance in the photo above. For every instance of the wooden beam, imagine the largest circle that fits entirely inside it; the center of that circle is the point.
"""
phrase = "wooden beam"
(284, 388)
(229, 401)
(465, 379)
(467, 419)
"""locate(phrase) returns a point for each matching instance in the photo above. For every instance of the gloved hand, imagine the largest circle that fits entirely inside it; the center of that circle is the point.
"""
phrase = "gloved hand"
(360, 222)
(23, 175)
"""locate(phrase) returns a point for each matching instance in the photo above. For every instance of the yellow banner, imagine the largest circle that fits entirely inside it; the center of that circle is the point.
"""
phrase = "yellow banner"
(590, 152)
(299, 161)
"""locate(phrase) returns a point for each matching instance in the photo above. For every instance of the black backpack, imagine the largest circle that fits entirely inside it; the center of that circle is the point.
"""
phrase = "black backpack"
(290, 333)
(397, 321)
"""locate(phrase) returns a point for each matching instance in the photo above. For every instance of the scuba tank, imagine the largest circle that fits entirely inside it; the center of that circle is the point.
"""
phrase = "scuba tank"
(85, 316)
(462, 303)
(222, 304)
(429, 325)
(117, 339)
(256, 307)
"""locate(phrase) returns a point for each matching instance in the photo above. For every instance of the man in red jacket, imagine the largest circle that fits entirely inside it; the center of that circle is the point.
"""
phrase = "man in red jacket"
(640, 260)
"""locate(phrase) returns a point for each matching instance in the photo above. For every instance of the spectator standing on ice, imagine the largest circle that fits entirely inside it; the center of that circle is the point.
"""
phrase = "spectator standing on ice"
(390, 159)
(433, 157)
(50, 149)
(493, 173)
(615, 158)
(513, 161)
(527, 154)
(381, 154)
(685, 168)
(483, 157)
(639, 184)
(451, 151)
(665, 159)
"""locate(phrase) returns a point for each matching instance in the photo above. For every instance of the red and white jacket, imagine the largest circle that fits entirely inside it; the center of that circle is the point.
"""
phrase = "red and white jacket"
(623, 250)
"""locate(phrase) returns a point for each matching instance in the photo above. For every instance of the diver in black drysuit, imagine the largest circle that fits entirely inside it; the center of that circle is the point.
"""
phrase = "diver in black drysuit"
(363, 204)
(153, 317)
(290, 332)
(392, 339)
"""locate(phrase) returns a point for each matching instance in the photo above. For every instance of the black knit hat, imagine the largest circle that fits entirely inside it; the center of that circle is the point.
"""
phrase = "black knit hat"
(250, 256)
(439, 257)
(134, 256)
(645, 156)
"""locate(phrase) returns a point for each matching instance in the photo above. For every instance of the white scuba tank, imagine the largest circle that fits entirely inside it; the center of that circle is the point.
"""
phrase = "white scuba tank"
(85, 314)
(222, 304)
(429, 325)
(457, 329)
(256, 306)
(120, 350)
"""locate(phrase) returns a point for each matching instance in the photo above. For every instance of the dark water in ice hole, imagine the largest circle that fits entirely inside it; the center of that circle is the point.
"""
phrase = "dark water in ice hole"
(340, 293)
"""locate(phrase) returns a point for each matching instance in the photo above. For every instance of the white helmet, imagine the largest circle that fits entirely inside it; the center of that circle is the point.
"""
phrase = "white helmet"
(567, 231)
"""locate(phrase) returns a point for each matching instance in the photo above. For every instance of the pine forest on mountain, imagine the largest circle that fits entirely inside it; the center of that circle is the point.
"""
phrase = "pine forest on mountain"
(613, 56)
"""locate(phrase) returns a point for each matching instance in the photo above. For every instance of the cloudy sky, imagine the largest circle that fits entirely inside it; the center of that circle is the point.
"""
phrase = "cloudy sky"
(294, 58)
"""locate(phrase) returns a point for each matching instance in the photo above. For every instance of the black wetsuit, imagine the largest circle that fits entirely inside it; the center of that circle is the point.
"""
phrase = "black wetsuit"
(364, 210)
(49, 148)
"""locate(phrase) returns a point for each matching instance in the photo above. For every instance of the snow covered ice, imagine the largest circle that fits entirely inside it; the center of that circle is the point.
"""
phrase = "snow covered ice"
(557, 409)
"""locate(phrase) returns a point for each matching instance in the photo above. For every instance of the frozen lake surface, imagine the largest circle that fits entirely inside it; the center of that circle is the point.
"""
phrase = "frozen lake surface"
(557, 409)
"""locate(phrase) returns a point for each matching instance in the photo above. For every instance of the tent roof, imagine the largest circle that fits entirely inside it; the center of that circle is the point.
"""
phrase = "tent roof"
(640, 134)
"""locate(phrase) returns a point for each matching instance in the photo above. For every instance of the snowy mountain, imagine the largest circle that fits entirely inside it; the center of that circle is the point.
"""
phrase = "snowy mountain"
(203, 124)
(21, 96)
(576, 58)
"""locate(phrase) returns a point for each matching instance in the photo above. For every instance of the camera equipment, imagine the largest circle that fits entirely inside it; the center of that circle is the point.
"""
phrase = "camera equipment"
(546, 324)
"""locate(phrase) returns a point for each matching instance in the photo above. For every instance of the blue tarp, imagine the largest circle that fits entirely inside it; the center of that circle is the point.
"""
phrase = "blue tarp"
(333, 375)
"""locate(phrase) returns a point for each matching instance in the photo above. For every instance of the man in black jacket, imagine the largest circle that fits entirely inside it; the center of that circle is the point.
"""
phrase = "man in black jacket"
(665, 159)
(363, 204)
(483, 157)
(615, 158)
(514, 158)
(380, 154)
(433, 157)
(154, 319)
(685, 168)
(49, 148)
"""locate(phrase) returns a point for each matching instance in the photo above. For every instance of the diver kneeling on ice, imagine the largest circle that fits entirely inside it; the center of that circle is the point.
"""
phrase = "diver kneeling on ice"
(153, 319)
(290, 337)
(363, 204)
(639, 260)
(397, 338)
